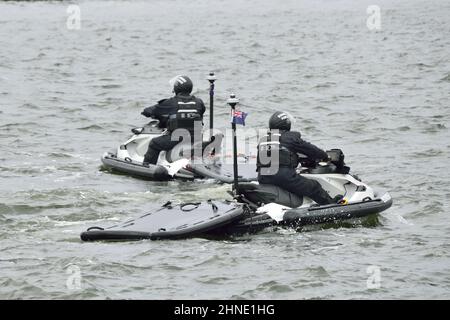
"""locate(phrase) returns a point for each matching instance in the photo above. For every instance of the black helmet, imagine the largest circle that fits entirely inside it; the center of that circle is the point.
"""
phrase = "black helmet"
(280, 120)
(182, 84)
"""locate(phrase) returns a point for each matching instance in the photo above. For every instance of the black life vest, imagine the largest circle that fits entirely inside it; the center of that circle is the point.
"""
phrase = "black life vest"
(188, 112)
(268, 146)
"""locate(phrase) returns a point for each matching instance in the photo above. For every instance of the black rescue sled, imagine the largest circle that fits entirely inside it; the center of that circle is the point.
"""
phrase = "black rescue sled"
(171, 221)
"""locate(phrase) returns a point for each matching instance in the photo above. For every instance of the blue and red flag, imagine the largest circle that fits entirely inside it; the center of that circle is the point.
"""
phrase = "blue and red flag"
(238, 117)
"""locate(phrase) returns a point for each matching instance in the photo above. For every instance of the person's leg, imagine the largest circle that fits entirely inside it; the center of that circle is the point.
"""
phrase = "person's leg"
(316, 192)
(151, 156)
(289, 180)
(302, 186)
(156, 146)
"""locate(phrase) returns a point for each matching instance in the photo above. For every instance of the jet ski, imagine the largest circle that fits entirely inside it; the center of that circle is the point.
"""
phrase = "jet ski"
(256, 206)
(128, 158)
(218, 167)
(274, 206)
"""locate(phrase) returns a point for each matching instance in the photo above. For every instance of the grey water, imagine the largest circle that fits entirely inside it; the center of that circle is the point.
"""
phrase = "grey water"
(67, 95)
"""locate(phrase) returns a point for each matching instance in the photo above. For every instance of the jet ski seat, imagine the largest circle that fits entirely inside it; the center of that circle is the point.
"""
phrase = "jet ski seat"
(265, 193)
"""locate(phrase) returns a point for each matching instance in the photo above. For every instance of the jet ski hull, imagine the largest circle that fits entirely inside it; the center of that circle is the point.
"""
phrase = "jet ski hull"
(303, 216)
(336, 212)
(153, 172)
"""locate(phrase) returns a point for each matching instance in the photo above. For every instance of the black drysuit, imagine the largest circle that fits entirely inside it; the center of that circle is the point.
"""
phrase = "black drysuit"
(163, 111)
(287, 178)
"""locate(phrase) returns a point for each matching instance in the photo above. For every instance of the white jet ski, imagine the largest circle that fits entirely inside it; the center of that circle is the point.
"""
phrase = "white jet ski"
(178, 162)
(272, 205)
(256, 207)
(129, 157)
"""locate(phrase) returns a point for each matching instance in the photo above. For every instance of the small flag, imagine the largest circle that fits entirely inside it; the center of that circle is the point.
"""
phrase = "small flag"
(238, 117)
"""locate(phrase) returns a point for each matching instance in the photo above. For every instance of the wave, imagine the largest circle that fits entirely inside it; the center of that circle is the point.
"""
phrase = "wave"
(92, 127)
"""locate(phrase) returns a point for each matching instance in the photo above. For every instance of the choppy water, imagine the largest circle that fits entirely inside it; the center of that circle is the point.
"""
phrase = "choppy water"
(66, 96)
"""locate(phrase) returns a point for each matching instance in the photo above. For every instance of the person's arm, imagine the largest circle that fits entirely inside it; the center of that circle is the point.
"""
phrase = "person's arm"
(203, 110)
(308, 149)
(149, 111)
(154, 111)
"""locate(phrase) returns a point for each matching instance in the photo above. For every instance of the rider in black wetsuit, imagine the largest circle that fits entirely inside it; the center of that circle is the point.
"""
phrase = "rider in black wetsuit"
(281, 172)
(178, 112)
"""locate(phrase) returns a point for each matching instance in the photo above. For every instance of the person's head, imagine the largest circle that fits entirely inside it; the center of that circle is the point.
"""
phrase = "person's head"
(280, 121)
(182, 85)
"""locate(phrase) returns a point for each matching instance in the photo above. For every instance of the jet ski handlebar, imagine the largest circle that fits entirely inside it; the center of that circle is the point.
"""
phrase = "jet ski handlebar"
(334, 164)
(149, 127)
(153, 123)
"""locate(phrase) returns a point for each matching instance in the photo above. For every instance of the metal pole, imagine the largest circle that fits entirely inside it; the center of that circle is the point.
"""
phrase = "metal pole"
(211, 78)
(233, 101)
